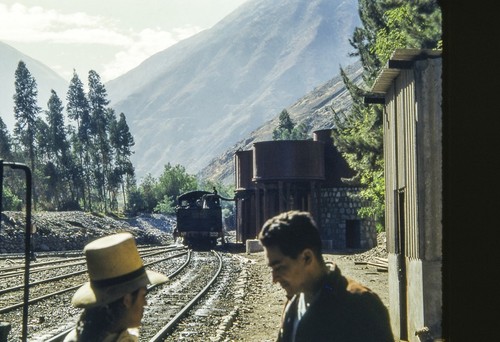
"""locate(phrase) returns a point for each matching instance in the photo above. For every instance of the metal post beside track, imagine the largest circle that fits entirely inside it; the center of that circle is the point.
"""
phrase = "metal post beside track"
(27, 238)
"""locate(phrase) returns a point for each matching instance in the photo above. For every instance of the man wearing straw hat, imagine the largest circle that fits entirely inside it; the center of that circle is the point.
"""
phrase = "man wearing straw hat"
(114, 298)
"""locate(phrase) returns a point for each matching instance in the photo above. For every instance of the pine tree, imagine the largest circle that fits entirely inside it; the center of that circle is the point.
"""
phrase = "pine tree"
(78, 109)
(5, 142)
(26, 111)
(387, 25)
(370, 13)
(58, 143)
(122, 141)
(10, 199)
(77, 106)
(100, 125)
(58, 150)
(287, 130)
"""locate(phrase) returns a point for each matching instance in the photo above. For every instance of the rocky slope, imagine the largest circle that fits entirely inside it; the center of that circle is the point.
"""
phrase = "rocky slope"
(314, 110)
(71, 230)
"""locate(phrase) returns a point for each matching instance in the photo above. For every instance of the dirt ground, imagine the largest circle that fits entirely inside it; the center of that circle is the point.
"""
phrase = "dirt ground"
(258, 318)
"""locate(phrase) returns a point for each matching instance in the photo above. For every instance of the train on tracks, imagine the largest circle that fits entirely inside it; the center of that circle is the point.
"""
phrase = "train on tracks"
(199, 219)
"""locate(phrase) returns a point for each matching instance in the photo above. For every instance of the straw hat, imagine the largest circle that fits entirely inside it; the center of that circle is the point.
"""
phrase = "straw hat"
(115, 269)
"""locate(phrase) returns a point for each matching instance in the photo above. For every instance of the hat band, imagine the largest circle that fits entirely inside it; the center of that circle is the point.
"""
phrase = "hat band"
(120, 279)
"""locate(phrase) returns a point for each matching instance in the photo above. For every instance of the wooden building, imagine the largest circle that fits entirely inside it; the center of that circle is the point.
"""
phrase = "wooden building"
(409, 87)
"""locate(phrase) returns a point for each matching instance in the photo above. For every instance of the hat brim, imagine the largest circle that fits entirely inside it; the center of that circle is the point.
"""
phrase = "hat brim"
(89, 296)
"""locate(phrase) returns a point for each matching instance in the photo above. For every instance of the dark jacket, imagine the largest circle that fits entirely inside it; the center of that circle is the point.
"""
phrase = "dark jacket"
(343, 311)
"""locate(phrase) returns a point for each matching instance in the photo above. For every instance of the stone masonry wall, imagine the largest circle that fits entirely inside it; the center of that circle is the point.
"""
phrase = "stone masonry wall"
(337, 206)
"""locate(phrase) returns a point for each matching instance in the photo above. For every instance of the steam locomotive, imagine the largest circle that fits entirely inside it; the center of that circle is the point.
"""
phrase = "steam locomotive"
(199, 219)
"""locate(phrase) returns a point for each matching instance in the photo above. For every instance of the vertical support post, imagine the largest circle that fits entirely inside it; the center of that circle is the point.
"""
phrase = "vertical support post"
(1, 191)
(4, 326)
(27, 245)
(281, 199)
(265, 205)
(258, 224)
(27, 254)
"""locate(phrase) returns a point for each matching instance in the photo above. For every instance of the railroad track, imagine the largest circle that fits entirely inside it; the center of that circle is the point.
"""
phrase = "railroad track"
(168, 305)
(193, 302)
(207, 277)
(50, 294)
(208, 317)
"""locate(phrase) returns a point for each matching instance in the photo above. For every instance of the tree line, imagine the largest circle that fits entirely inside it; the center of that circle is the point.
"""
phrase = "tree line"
(85, 164)
(81, 165)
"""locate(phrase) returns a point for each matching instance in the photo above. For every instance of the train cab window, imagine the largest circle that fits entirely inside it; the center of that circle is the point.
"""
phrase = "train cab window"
(210, 202)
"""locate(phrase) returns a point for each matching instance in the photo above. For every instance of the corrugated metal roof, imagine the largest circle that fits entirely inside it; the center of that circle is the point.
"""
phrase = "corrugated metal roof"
(400, 59)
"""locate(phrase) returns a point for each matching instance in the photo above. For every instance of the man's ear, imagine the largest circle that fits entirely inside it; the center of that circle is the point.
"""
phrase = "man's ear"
(127, 300)
(308, 256)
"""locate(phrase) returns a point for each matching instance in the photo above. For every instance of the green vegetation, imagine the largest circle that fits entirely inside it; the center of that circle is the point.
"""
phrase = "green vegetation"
(287, 130)
(387, 25)
(160, 195)
(86, 164)
(83, 165)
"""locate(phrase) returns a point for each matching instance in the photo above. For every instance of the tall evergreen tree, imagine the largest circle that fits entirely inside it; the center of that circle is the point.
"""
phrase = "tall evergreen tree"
(287, 130)
(58, 150)
(122, 141)
(77, 105)
(57, 137)
(10, 198)
(100, 125)
(26, 111)
(5, 142)
(78, 109)
(387, 25)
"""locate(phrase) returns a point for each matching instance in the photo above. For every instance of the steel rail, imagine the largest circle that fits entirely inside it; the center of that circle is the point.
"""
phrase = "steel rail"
(37, 299)
(16, 267)
(174, 321)
(60, 336)
(36, 270)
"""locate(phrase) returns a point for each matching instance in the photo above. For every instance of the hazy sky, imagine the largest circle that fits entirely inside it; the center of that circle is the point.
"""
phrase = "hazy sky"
(108, 36)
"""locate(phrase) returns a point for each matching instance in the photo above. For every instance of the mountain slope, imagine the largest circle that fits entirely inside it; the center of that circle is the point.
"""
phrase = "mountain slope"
(45, 77)
(313, 110)
(195, 99)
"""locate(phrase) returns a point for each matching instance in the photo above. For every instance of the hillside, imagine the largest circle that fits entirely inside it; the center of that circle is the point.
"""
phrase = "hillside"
(313, 109)
(194, 100)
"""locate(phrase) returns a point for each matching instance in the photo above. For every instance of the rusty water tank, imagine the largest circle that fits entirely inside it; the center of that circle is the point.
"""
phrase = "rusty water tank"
(243, 161)
(323, 135)
(336, 166)
(288, 159)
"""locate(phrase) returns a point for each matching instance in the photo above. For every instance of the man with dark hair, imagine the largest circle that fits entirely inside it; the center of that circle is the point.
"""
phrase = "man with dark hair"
(322, 305)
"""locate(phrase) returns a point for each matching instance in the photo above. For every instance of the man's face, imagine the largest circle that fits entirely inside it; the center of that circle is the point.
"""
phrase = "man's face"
(289, 273)
(135, 308)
